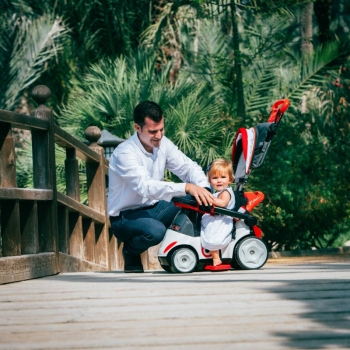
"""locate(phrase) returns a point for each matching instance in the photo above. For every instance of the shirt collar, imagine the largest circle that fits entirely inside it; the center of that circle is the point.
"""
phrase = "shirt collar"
(136, 139)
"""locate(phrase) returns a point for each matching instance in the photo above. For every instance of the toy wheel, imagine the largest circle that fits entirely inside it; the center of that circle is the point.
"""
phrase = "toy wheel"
(250, 253)
(166, 268)
(235, 264)
(184, 260)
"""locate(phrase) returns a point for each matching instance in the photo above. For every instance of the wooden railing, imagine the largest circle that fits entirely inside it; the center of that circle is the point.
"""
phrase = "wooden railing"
(43, 231)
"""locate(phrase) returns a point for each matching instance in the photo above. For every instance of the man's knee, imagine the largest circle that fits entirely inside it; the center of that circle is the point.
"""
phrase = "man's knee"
(154, 232)
(149, 230)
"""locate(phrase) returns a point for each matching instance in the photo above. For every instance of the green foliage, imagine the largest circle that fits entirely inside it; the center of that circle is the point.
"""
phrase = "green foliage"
(24, 164)
(305, 205)
(26, 47)
(307, 202)
(112, 89)
(97, 71)
(92, 29)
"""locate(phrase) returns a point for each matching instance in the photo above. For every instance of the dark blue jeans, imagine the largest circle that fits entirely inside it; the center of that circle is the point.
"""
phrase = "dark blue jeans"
(142, 228)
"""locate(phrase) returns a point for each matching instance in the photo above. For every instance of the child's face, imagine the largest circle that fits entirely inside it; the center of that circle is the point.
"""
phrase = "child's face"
(219, 181)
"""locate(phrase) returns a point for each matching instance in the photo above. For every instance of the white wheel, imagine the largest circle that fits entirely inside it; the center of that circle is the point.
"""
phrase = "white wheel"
(184, 260)
(251, 253)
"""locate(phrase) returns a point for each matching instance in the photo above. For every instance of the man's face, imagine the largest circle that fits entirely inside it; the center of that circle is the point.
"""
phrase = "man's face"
(150, 135)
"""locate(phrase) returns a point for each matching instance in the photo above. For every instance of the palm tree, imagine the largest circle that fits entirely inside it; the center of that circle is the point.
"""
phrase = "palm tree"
(112, 88)
(192, 77)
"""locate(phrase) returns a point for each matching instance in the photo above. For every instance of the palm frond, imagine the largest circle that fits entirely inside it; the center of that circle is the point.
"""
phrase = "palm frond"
(211, 60)
(153, 33)
(36, 43)
(195, 126)
(259, 83)
(308, 73)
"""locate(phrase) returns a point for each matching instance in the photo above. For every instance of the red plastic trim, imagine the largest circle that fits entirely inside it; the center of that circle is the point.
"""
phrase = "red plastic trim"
(257, 231)
(244, 142)
(169, 246)
(196, 208)
(205, 254)
(254, 198)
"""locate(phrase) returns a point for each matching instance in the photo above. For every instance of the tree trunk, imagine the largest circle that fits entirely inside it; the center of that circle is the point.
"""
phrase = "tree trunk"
(322, 10)
(306, 29)
(238, 63)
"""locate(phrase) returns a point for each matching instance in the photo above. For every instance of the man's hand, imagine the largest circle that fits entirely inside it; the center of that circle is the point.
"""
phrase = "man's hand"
(202, 195)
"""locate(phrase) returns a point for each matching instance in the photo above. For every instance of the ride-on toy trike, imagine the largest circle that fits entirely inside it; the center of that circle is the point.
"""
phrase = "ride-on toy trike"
(181, 250)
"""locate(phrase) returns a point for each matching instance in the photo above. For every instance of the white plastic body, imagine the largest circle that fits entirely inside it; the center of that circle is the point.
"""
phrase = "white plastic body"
(180, 239)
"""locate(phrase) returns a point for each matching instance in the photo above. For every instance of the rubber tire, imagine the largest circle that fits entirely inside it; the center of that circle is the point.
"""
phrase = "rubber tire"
(185, 252)
(235, 264)
(166, 268)
(244, 244)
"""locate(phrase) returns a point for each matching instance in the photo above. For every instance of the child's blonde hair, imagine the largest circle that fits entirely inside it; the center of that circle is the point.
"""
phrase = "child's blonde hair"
(221, 166)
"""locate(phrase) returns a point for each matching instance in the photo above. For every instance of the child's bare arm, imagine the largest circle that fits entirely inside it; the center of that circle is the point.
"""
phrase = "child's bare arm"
(223, 199)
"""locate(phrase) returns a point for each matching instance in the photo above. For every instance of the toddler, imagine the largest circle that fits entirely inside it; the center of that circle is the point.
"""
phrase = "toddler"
(216, 230)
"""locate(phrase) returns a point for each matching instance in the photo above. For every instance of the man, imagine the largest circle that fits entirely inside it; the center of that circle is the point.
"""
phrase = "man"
(139, 200)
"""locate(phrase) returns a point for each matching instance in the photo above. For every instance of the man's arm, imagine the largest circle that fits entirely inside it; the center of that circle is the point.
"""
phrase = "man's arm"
(190, 173)
(130, 169)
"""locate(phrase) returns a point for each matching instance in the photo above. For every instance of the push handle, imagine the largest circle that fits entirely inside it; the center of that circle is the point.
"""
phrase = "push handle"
(277, 110)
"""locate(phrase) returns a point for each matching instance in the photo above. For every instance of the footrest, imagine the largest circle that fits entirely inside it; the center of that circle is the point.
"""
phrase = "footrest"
(222, 267)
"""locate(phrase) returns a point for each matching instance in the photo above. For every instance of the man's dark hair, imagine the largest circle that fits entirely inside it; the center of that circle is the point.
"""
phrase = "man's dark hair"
(148, 109)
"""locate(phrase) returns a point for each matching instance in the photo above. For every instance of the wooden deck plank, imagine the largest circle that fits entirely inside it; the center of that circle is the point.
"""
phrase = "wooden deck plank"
(295, 305)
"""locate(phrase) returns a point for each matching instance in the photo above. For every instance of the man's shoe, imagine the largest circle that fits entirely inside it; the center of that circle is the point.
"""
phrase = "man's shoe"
(132, 263)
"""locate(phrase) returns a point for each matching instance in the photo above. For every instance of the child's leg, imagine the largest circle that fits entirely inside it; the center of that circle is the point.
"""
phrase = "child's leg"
(216, 257)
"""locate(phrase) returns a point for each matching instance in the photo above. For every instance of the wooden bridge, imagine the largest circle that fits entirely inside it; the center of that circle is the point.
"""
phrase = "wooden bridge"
(44, 231)
(292, 303)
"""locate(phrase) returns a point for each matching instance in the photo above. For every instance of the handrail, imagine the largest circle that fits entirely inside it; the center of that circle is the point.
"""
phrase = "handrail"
(78, 207)
(40, 220)
(83, 152)
(26, 194)
(23, 121)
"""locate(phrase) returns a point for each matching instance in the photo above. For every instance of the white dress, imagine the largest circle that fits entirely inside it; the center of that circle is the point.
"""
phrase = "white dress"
(216, 230)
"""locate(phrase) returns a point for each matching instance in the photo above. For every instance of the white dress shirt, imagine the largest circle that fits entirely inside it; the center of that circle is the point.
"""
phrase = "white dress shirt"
(136, 177)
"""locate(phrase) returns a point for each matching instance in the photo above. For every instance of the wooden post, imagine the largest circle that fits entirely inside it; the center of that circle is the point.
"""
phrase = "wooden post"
(72, 174)
(97, 195)
(63, 229)
(89, 235)
(44, 171)
(29, 227)
(75, 237)
(10, 219)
